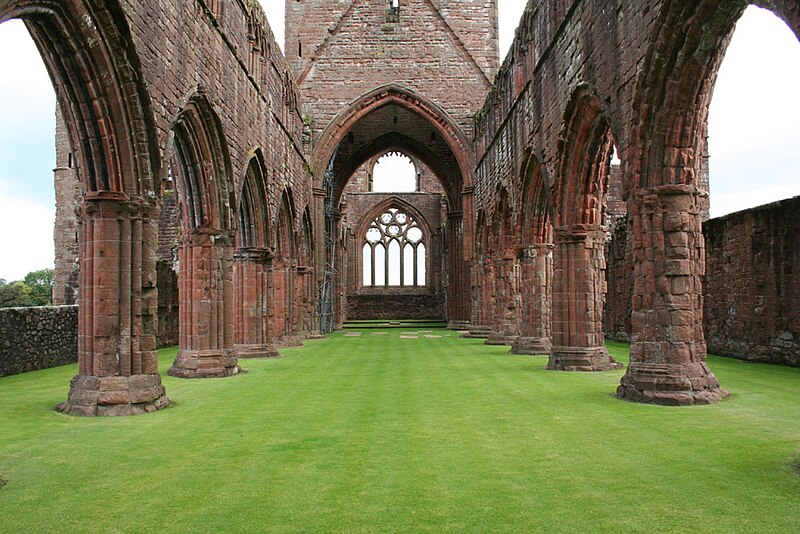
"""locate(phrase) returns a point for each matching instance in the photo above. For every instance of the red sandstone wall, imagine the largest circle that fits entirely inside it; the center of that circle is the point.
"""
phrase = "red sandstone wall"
(445, 50)
(243, 73)
(619, 278)
(751, 287)
(752, 284)
(65, 232)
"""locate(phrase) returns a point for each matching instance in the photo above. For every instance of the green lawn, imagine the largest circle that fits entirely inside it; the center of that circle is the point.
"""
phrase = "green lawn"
(378, 433)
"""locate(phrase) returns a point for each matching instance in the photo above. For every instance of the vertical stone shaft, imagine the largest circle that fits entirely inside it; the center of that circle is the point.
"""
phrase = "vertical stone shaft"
(206, 314)
(457, 289)
(578, 299)
(668, 351)
(251, 303)
(536, 276)
(284, 280)
(480, 324)
(117, 363)
(506, 320)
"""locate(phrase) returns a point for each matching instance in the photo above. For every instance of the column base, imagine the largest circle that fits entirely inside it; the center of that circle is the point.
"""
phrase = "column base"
(252, 352)
(289, 342)
(499, 339)
(582, 359)
(531, 345)
(478, 332)
(204, 364)
(672, 385)
(114, 395)
(458, 325)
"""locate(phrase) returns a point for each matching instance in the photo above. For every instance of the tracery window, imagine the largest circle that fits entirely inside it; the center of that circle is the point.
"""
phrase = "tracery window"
(394, 252)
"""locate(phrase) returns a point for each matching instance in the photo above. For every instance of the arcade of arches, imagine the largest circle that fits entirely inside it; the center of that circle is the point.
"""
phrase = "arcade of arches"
(247, 176)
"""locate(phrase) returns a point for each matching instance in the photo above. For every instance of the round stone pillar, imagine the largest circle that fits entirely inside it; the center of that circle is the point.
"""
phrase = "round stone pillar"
(536, 275)
(668, 350)
(205, 292)
(118, 304)
(579, 290)
(253, 338)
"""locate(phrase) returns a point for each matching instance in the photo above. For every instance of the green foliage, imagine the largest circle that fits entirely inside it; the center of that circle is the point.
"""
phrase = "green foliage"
(36, 289)
(382, 434)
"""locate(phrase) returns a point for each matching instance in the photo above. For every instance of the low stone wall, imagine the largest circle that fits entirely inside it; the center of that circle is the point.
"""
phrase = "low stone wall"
(752, 284)
(388, 304)
(37, 338)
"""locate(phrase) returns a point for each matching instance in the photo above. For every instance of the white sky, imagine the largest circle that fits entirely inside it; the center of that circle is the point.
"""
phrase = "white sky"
(753, 129)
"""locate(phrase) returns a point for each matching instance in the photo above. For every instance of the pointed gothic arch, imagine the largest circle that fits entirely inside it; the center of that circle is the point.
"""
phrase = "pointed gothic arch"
(579, 285)
(253, 229)
(92, 61)
(204, 183)
(392, 94)
(665, 202)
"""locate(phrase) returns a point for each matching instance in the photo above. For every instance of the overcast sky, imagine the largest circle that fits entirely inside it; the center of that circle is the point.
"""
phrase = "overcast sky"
(754, 133)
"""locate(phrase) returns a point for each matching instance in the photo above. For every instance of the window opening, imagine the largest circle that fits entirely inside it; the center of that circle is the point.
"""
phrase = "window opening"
(394, 252)
(394, 173)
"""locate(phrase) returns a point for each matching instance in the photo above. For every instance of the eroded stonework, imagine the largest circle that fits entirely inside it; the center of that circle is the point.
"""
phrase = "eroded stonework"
(260, 153)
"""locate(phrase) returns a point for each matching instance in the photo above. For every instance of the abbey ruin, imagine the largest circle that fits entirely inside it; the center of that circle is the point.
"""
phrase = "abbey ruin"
(194, 154)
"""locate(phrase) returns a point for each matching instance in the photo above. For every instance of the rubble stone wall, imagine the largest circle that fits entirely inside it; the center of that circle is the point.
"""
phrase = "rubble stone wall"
(37, 338)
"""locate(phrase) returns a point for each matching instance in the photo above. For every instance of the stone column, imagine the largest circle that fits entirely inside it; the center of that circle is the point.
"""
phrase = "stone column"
(536, 274)
(480, 324)
(668, 350)
(283, 276)
(117, 323)
(205, 290)
(579, 290)
(506, 321)
(252, 305)
(457, 285)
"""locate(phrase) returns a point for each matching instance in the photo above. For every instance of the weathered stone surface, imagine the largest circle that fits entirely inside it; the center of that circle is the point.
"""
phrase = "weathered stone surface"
(518, 150)
(751, 287)
(114, 395)
(37, 338)
(204, 364)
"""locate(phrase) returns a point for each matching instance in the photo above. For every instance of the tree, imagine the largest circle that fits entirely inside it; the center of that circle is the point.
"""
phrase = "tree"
(41, 284)
(16, 295)
(36, 289)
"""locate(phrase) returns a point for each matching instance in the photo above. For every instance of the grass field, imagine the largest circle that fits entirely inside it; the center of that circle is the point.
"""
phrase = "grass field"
(379, 433)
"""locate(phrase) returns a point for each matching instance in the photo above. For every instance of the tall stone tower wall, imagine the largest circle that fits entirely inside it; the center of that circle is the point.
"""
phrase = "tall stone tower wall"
(65, 230)
(445, 50)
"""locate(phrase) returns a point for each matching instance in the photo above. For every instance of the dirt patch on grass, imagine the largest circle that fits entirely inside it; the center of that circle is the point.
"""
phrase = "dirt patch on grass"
(794, 463)
(3, 482)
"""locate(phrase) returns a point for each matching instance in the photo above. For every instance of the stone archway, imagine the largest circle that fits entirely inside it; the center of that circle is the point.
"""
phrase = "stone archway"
(89, 53)
(668, 350)
(579, 238)
(535, 253)
(204, 184)
(393, 118)
(252, 261)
